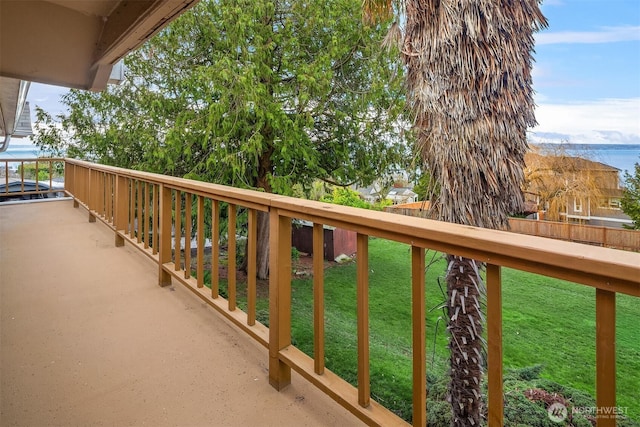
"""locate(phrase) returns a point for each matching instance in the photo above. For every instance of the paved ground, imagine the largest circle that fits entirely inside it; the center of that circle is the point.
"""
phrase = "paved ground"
(89, 339)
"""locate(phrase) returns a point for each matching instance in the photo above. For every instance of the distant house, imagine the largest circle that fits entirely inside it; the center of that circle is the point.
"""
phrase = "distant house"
(397, 194)
(370, 194)
(401, 195)
(574, 189)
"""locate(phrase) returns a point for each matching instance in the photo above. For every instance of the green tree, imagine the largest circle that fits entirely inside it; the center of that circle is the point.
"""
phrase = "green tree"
(252, 93)
(347, 197)
(49, 133)
(470, 93)
(630, 201)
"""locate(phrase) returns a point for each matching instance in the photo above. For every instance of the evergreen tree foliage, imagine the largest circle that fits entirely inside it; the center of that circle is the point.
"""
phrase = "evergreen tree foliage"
(255, 94)
(630, 201)
(263, 94)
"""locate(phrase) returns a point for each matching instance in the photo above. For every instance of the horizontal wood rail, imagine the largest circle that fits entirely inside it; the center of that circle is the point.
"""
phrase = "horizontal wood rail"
(154, 212)
(609, 237)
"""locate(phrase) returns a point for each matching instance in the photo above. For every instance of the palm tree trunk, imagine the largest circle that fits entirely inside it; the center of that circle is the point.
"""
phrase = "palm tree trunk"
(465, 292)
(469, 89)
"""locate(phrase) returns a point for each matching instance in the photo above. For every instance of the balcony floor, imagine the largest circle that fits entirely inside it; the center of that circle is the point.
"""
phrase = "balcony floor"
(88, 338)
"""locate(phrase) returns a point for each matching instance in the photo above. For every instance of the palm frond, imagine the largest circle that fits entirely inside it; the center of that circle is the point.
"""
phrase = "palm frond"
(377, 10)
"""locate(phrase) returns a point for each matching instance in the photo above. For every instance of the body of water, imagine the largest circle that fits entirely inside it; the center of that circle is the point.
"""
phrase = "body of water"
(621, 156)
(21, 149)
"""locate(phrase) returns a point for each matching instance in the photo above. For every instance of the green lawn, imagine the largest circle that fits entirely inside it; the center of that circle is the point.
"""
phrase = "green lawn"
(546, 322)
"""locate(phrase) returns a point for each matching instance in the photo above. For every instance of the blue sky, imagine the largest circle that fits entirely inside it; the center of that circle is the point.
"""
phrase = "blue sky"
(586, 74)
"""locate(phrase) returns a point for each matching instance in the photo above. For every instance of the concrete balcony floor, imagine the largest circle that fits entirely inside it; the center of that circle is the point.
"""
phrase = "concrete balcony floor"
(88, 338)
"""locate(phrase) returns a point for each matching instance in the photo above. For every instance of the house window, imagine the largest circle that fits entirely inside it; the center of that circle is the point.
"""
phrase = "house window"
(577, 205)
(614, 203)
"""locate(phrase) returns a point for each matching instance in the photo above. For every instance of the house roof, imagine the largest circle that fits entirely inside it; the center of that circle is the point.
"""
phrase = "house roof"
(577, 163)
(402, 191)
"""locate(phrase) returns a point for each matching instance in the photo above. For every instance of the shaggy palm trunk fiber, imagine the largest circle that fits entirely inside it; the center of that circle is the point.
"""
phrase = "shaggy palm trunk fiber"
(470, 92)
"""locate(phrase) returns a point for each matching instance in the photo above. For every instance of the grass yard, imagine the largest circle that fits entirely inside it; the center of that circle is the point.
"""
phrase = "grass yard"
(546, 322)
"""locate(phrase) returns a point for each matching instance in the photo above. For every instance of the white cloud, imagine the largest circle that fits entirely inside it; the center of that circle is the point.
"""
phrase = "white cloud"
(601, 121)
(46, 97)
(605, 35)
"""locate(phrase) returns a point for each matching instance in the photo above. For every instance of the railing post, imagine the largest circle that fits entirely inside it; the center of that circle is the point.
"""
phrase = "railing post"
(188, 200)
(6, 176)
(156, 208)
(92, 194)
(50, 174)
(605, 358)
(69, 183)
(146, 222)
(164, 235)
(362, 269)
(215, 248)
(22, 177)
(231, 256)
(252, 243)
(121, 211)
(318, 298)
(418, 337)
(36, 177)
(178, 232)
(494, 345)
(132, 209)
(279, 298)
(140, 223)
(99, 188)
(200, 244)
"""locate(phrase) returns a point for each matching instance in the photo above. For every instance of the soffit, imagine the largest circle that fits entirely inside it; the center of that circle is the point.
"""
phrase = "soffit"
(75, 43)
(71, 43)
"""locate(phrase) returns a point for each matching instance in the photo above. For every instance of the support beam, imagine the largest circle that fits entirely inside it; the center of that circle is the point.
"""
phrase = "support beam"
(279, 298)
(164, 235)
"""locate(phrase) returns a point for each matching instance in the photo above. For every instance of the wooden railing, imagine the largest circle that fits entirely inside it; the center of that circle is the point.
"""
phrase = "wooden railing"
(18, 184)
(616, 238)
(150, 211)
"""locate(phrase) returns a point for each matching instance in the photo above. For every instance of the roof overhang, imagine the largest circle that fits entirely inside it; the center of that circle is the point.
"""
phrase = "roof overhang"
(13, 96)
(72, 43)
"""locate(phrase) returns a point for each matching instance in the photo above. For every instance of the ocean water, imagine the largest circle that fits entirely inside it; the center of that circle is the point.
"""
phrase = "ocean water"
(621, 156)
(21, 149)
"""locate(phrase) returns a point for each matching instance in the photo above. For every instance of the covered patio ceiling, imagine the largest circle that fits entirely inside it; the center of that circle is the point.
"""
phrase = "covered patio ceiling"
(70, 43)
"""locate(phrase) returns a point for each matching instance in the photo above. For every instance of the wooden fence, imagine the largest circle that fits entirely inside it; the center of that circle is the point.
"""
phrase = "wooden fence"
(616, 238)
